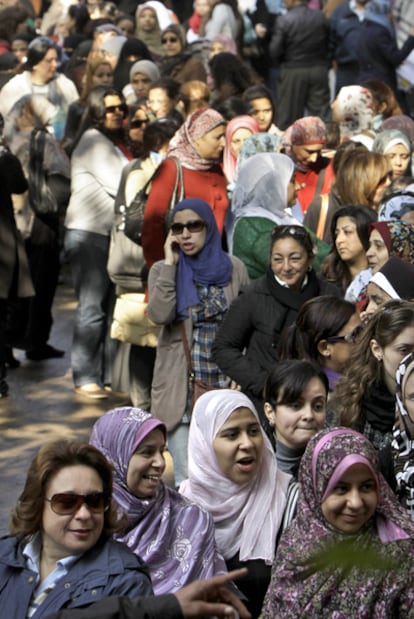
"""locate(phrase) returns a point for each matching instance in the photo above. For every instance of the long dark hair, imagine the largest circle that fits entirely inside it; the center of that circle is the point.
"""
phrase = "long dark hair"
(334, 268)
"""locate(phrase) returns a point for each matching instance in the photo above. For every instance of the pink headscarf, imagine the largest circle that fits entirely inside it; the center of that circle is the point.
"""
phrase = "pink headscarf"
(247, 517)
(229, 160)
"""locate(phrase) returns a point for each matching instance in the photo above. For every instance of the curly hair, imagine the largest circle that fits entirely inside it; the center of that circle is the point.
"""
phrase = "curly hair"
(364, 369)
(26, 517)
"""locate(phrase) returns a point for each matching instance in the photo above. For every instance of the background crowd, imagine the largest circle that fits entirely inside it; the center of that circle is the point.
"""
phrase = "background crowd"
(230, 184)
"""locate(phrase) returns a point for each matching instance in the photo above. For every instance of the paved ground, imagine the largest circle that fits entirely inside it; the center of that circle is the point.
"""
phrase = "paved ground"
(41, 406)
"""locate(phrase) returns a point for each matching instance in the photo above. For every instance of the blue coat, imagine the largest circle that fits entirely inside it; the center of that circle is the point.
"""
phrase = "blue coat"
(109, 568)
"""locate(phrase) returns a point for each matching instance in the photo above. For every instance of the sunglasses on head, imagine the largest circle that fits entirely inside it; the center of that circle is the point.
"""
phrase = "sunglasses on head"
(169, 40)
(66, 503)
(195, 225)
(137, 123)
(121, 107)
(350, 338)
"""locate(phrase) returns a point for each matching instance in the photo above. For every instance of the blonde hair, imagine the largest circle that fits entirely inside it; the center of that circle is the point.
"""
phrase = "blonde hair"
(359, 176)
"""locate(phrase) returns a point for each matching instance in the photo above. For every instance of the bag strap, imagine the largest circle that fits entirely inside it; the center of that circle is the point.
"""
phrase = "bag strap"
(323, 213)
(186, 351)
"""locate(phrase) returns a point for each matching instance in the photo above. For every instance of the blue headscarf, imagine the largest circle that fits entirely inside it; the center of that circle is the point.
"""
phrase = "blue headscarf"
(211, 266)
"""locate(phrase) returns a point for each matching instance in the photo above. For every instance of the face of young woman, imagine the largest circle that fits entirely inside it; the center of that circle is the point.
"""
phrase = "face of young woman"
(237, 140)
(377, 297)
(115, 114)
(190, 243)
(159, 102)
(141, 84)
(103, 75)
(290, 262)
(147, 20)
(262, 111)
(390, 356)
(171, 44)
(295, 424)
(147, 465)
(202, 7)
(137, 125)
(238, 446)
(377, 253)
(347, 241)
(399, 158)
(339, 353)
(409, 396)
(77, 532)
(211, 144)
(353, 501)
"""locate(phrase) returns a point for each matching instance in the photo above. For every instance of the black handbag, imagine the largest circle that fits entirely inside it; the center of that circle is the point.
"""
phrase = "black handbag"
(41, 199)
(133, 215)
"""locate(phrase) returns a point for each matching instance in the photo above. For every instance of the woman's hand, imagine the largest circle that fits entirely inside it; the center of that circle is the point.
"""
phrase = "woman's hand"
(171, 249)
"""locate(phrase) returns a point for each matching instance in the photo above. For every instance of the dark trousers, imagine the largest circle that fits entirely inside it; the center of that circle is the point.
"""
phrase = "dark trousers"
(302, 90)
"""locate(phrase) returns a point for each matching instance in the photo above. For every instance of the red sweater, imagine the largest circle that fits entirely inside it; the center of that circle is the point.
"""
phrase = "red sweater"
(209, 186)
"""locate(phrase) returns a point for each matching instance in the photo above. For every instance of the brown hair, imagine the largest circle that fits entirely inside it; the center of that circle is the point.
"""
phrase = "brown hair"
(359, 176)
(26, 518)
(364, 369)
(194, 94)
(95, 60)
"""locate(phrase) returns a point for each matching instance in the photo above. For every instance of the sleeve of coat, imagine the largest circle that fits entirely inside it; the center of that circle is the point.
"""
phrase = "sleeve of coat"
(231, 340)
(277, 42)
(153, 231)
(162, 296)
(114, 607)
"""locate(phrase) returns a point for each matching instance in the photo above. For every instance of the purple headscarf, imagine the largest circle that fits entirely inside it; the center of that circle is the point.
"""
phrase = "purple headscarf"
(297, 587)
(173, 536)
(211, 266)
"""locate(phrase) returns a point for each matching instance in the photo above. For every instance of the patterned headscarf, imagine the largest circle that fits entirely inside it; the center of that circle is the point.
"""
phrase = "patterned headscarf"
(211, 266)
(229, 160)
(403, 439)
(356, 110)
(305, 131)
(255, 144)
(182, 145)
(403, 123)
(247, 517)
(398, 237)
(397, 205)
(299, 586)
(174, 537)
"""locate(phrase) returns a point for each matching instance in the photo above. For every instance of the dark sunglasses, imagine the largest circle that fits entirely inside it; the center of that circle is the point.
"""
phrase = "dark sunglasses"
(136, 124)
(66, 503)
(350, 338)
(169, 40)
(195, 225)
(121, 107)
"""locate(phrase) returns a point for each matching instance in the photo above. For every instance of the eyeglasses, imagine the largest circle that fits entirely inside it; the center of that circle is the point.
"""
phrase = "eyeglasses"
(66, 503)
(169, 40)
(121, 107)
(195, 225)
(137, 123)
(350, 338)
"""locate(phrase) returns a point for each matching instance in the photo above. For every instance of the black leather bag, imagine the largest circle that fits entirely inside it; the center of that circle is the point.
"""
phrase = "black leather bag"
(133, 215)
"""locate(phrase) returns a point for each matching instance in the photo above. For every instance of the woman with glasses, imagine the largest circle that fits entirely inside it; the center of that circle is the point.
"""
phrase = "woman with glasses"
(60, 553)
(364, 398)
(97, 162)
(190, 292)
(40, 77)
(178, 62)
(246, 345)
(325, 332)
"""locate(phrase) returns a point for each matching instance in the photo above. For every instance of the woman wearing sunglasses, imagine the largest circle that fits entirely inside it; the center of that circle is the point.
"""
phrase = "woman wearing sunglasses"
(97, 162)
(60, 553)
(194, 285)
(324, 333)
(178, 62)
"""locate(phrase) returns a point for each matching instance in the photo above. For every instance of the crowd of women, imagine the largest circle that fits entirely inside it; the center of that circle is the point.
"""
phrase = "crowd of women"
(250, 289)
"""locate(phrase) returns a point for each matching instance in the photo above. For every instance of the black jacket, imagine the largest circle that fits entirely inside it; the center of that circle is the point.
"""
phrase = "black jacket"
(154, 607)
(254, 323)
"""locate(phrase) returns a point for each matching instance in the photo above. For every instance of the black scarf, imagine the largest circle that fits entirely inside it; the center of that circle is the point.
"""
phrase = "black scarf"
(378, 405)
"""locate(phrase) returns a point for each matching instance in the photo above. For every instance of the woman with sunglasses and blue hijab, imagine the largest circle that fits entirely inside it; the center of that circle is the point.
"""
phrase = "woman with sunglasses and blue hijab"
(60, 553)
(194, 285)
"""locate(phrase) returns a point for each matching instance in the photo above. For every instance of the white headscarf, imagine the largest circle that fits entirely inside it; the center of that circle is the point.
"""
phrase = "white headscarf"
(247, 516)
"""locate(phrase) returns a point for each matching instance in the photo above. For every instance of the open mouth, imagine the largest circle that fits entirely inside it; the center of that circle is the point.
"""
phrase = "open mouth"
(152, 477)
